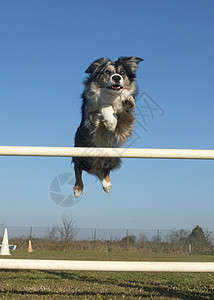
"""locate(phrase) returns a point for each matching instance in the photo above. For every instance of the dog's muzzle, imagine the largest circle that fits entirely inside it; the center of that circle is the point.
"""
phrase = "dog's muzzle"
(115, 82)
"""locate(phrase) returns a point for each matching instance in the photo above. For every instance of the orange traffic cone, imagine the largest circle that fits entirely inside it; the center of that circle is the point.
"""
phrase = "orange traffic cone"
(30, 249)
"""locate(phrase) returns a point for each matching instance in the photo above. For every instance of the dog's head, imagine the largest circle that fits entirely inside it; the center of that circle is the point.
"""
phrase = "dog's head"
(114, 75)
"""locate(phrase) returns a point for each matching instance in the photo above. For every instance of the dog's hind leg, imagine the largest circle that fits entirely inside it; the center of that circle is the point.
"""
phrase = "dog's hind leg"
(106, 183)
(78, 187)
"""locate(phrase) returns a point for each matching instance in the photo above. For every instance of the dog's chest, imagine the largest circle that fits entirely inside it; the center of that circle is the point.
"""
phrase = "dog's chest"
(110, 99)
(115, 100)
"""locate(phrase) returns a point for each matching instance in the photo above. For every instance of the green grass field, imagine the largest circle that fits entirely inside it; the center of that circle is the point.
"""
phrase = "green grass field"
(105, 285)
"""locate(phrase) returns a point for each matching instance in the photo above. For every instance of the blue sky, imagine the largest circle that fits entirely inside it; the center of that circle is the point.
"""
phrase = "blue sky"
(45, 48)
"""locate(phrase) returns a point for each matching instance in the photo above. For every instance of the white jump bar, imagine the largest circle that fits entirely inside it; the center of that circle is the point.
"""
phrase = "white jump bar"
(123, 266)
(106, 152)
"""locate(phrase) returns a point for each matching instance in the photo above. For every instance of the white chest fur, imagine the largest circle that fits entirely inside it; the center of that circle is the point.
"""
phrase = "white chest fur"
(107, 103)
(110, 104)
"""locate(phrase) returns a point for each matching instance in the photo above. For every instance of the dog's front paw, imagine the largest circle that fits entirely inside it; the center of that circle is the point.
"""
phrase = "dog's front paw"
(128, 104)
(109, 117)
(111, 124)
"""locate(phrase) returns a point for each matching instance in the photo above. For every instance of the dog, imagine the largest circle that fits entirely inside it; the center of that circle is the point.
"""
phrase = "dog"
(107, 116)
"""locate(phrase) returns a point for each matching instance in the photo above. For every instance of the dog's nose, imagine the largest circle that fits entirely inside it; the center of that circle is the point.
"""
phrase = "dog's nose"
(116, 78)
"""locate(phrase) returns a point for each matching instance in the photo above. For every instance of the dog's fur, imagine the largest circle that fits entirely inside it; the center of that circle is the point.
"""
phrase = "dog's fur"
(107, 115)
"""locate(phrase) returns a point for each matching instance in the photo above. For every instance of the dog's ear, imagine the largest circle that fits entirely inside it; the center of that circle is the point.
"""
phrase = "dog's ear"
(130, 63)
(96, 66)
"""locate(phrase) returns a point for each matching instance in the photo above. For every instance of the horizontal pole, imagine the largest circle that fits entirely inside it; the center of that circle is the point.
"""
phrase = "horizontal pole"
(123, 266)
(106, 152)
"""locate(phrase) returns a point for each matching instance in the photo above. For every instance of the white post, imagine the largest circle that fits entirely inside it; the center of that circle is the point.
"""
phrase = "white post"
(5, 245)
(190, 248)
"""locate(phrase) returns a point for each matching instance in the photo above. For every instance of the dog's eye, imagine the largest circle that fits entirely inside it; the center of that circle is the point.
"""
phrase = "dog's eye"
(107, 72)
(122, 72)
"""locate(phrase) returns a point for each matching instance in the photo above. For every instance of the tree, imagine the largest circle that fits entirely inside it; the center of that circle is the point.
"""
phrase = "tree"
(129, 239)
(199, 240)
(68, 231)
(52, 234)
(142, 238)
(177, 236)
(197, 236)
(64, 233)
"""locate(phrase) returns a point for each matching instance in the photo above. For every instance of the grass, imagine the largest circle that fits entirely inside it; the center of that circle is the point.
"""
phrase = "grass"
(106, 285)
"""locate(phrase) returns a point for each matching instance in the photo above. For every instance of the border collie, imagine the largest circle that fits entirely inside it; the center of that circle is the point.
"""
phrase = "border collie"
(107, 115)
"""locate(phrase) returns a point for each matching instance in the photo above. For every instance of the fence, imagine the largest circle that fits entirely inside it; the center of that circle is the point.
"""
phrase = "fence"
(88, 234)
(97, 234)
(107, 265)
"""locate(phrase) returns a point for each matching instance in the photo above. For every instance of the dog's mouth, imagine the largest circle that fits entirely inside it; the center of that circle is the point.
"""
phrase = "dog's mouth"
(115, 87)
